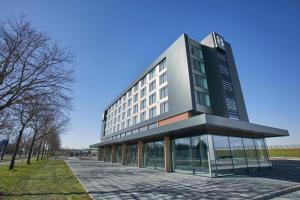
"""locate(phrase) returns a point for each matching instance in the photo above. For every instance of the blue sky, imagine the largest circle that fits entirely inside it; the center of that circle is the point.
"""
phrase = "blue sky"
(115, 40)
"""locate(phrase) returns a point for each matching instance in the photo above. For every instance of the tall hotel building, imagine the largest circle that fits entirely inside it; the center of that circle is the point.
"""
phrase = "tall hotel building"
(186, 113)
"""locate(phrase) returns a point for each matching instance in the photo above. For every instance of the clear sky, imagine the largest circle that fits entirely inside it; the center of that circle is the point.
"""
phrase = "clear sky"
(115, 40)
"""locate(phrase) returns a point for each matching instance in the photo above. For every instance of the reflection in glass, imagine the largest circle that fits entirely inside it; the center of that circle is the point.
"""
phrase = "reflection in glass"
(132, 155)
(223, 154)
(108, 154)
(182, 154)
(238, 153)
(199, 154)
(262, 152)
(250, 152)
(119, 154)
(154, 155)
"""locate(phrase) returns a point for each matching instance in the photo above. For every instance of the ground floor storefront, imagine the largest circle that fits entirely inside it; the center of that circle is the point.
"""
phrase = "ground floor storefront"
(199, 154)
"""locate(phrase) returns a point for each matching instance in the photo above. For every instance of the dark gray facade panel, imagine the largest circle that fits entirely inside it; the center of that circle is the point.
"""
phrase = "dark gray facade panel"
(236, 84)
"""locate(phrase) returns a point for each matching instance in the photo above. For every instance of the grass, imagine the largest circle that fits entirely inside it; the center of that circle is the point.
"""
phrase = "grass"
(285, 153)
(47, 179)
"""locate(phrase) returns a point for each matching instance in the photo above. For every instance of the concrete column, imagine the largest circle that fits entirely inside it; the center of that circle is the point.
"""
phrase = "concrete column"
(113, 153)
(124, 154)
(167, 153)
(140, 154)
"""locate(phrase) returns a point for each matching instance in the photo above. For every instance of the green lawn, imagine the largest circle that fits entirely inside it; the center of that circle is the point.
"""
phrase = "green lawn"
(48, 179)
(284, 153)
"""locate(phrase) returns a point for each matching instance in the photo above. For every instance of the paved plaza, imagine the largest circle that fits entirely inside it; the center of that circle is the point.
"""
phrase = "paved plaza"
(113, 181)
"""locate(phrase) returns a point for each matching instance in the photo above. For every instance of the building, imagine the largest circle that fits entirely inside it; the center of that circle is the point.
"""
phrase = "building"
(186, 113)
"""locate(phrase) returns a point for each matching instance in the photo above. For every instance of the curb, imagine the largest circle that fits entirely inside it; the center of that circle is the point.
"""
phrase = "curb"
(277, 193)
(84, 187)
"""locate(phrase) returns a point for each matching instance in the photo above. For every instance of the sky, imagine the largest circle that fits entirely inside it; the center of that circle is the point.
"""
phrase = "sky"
(114, 41)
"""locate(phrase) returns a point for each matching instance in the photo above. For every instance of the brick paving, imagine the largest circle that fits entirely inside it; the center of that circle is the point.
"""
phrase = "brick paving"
(113, 181)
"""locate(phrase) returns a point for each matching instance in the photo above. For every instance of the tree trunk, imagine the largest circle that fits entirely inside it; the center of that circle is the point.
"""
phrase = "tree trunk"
(13, 158)
(31, 147)
(39, 149)
(3, 152)
(43, 152)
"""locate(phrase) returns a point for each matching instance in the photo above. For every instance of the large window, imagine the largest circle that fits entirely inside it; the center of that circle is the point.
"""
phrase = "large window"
(128, 112)
(238, 152)
(202, 98)
(250, 151)
(152, 112)
(135, 98)
(152, 98)
(143, 116)
(134, 120)
(164, 107)
(262, 152)
(129, 102)
(162, 65)
(163, 92)
(152, 86)
(200, 81)
(132, 155)
(143, 81)
(152, 73)
(135, 108)
(196, 52)
(154, 155)
(163, 78)
(143, 92)
(197, 65)
(143, 104)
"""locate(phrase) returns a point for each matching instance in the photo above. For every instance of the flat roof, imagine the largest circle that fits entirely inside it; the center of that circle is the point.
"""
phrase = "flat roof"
(206, 124)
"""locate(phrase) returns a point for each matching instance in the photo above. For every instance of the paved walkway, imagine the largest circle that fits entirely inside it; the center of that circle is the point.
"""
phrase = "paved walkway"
(112, 181)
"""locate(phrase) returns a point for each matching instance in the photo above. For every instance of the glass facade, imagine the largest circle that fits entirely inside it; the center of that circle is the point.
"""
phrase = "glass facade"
(190, 154)
(154, 155)
(203, 154)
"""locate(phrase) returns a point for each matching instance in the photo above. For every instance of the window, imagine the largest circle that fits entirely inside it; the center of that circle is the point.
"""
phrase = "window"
(134, 120)
(136, 87)
(151, 126)
(123, 98)
(152, 98)
(115, 120)
(135, 98)
(152, 112)
(128, 112)
(152, 73)
(143, 81)
(119, 118)
(200, 81)
(123, 115)
(129, 102)
(119, 109)
(135, 108)
(124, 105)
(197, 65)
(163, 92)
(128, 122)
(162, 65)
(202, 98)
(164, 107)
(143, 104)
(129, 93)
(196, 52)
(152, 85)
(162, 78)
(143, 92)
(143, 116)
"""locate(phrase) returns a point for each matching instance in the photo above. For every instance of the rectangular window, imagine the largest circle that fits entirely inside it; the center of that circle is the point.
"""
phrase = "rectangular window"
(135, 108)
(152, 112)
(128, 112)
(119, 118)
(135, 98)
(152, 73)
(123, 98)
(143, 104)
(197, 65)
(162, 65)
(143, 92)
(200, 81)
(134, 120)
(163, 92)
(123, 115)
(124, 105)
(129, 93)
(164, 107)
(143, 116)
(196, 52)
(202, 98)
(143, 81)
(136, 87)
(119, 109)
(128, 122)
(152, 85)
(129, 102)
(152, 98)
(162, 78)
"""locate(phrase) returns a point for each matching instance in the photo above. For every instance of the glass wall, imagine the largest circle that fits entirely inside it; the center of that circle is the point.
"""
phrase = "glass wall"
(262, 153)
(154, 155)
(108, 154)
(119, 154)
(250, 151)
(190, 154)
(131, 155)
